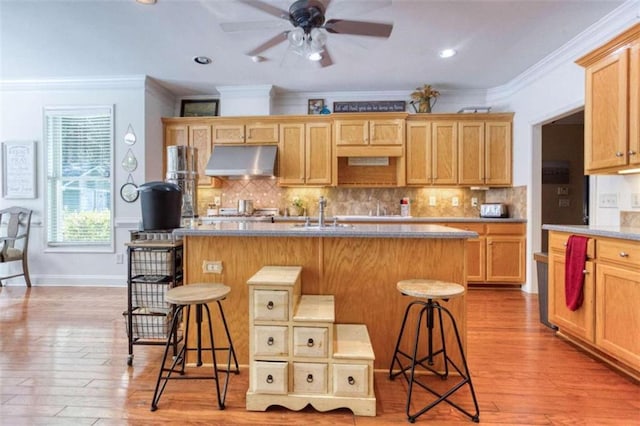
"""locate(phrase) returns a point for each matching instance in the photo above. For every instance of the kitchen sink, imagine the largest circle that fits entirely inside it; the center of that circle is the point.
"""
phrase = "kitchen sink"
(329, 227)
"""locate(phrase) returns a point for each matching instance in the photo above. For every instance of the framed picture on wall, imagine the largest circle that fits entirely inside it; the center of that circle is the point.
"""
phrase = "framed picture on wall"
(19, 169)
(199, 108)
(315, 106)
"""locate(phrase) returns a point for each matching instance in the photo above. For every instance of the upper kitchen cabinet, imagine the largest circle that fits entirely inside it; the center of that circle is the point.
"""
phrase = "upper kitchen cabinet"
(369, 134)
(245, 131)
(305, 154)
(484, 153)
(612, 105)
(192, 133)
(460, 149)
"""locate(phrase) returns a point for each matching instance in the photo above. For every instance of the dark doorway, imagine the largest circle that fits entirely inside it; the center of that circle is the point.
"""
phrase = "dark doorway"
(565, 188)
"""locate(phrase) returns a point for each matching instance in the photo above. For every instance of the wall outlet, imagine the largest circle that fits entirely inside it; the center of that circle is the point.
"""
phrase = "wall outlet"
(432, 200)
(119, 258)
(635, 200)
(216, 200)
(455, 201)
(212, 266)
(608, 201)
(474, 202)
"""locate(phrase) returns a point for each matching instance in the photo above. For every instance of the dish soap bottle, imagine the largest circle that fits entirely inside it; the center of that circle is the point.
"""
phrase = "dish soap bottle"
(405, 207)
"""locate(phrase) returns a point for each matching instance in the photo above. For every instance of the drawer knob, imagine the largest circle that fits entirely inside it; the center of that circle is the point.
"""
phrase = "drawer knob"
(632, 152)
(269, 378)
(624, 254)
(585, 272)
(619, 154)
(310, 378)
(270, 341)
(351, 380)
(310, 343)
(270, 305)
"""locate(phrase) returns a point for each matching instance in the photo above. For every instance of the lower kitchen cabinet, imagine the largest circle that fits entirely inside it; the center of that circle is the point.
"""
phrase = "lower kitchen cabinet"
(298, 355)
(608, 322)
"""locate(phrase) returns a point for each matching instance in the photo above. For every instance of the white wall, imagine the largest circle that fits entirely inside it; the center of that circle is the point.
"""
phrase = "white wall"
(22, 119)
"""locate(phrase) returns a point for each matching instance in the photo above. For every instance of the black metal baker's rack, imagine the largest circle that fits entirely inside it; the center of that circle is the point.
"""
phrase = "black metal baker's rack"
(154, 266)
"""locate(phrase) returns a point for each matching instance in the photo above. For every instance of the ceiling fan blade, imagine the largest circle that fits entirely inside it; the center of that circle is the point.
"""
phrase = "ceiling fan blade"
(326, 60)
(363, 28)
(273, 41)
(232, 27)
(267, 8)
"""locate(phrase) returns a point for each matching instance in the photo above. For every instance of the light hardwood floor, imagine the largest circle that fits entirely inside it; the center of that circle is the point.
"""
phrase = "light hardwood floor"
(63, 361)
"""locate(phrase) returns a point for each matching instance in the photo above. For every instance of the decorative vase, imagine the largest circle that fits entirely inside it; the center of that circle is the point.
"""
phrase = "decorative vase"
(425, 105)
(295, 211)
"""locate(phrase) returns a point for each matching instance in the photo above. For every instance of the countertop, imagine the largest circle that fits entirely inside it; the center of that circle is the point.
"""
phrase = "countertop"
(267, 229)
(404, 219)
(611, 231)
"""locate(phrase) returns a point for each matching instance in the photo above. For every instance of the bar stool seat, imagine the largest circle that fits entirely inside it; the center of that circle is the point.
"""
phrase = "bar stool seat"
(428, 291)
(198, 295)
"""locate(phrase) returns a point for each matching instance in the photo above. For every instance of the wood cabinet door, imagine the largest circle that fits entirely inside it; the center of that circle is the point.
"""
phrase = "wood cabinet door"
(476, 259)
(471, 152)
(351, 132)
(617, 314)
(386, 132)
(634, 103)
(444, 145)
(318, 155)
(606, 103)
(498, 153)
(418, 153)
(228, 133)
(262, 133)
(505, 259)
(200, 138)
(291, 154)
(581, 322)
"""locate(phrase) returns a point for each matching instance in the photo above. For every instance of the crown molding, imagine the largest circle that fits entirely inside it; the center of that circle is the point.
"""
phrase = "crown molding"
(623, 17)
(79, 83)
(154, 88)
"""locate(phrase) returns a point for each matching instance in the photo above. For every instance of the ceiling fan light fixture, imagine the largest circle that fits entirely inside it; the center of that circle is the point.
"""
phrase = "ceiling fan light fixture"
(315, 56)
(447, 53)
(296, 37)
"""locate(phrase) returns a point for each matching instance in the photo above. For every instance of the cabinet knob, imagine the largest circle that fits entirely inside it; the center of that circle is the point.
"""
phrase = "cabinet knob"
(269, 378)
(310, 343)
(632, 152)
(624, 254)
(270, 305)
(619, 154)
(585, 272)
(270, 341)
(310, 378)
(351, 380)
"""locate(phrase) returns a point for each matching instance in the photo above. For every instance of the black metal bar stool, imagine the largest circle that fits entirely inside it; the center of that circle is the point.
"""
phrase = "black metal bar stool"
(430, 290)
(198, 295)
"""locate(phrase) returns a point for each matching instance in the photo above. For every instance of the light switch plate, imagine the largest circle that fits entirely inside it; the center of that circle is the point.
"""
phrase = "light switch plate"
(608, 201)
(432, 200)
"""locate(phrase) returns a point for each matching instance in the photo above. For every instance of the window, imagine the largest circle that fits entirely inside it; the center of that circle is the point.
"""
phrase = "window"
(79, 145)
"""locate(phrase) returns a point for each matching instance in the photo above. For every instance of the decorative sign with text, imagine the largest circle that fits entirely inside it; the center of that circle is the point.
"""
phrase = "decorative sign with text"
(370, 106)
(19, 169)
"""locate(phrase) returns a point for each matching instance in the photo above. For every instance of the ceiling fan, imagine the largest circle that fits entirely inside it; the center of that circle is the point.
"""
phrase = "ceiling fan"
(308, 36)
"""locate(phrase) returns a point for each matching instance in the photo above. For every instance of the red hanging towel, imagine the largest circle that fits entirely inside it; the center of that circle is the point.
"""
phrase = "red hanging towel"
(575, 259)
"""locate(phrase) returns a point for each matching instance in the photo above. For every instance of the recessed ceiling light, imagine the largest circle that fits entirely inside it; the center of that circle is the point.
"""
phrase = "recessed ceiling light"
(146, 1)
(202, 60)
(447, 53)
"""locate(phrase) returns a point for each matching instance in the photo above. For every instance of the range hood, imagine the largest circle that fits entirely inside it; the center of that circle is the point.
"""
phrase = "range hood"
(242, 161)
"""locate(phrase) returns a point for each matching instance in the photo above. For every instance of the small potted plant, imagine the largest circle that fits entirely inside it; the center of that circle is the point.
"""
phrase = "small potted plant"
(297, 207)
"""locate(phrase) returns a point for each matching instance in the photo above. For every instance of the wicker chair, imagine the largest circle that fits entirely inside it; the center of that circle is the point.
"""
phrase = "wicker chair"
(14, 244)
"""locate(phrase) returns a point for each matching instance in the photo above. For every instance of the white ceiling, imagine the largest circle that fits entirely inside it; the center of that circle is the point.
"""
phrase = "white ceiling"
(496, 41)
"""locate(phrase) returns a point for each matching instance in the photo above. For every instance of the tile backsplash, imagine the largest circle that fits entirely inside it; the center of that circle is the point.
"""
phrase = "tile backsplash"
(426, 202)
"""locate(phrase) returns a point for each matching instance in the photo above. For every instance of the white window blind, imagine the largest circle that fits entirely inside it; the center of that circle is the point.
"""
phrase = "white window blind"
(79, 144)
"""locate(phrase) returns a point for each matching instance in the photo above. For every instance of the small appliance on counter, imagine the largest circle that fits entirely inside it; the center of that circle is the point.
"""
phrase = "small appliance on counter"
(498, 210)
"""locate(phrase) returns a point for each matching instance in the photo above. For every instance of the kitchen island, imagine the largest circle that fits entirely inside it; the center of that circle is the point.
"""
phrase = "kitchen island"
(358, 264)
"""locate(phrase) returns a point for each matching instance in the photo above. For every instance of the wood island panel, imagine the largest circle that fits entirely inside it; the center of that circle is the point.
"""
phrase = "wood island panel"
(361, 273)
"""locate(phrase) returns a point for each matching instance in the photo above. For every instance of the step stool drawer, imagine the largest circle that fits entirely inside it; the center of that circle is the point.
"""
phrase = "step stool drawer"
(310, 341)
(309, 377)
(269, 377)
(351, 379)
(271, 305)
(270, 340)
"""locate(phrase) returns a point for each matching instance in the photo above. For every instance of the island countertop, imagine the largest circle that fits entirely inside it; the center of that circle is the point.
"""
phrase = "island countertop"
(267, 229)
(611, 231)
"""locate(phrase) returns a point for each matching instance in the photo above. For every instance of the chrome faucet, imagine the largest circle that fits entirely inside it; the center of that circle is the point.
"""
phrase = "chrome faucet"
(322, 203)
